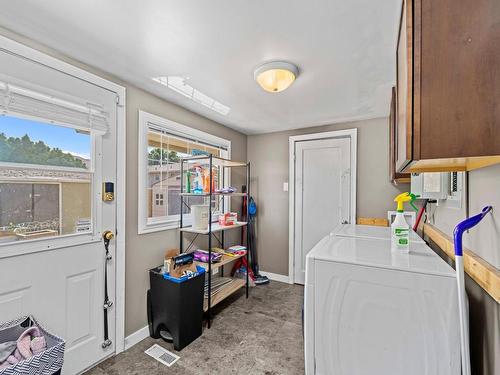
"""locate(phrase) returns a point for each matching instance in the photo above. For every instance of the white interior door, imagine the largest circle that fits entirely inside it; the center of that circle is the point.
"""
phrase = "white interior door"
(52, 215)
(322, 194)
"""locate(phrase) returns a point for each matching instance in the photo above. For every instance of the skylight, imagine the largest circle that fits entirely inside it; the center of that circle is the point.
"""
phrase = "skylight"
(179, 85)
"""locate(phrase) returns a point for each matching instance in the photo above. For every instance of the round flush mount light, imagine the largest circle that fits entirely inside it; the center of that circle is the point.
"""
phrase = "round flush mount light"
(276, 76)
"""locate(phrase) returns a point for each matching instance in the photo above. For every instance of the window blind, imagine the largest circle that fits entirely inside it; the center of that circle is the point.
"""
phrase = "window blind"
(185, 137)
(28, 103)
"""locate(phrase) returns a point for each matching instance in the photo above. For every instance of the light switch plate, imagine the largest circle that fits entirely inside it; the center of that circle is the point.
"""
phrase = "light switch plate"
(285, 186)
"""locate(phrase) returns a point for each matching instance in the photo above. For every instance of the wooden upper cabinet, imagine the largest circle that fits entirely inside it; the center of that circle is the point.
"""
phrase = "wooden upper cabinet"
(448, 85)
(404, 88)
(396, 177)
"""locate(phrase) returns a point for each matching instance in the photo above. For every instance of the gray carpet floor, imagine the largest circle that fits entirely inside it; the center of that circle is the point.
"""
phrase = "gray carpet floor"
(259, 335)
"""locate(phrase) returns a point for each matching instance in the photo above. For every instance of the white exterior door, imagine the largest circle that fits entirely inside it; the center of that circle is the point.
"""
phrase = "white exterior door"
(322, 194)
(53, 163)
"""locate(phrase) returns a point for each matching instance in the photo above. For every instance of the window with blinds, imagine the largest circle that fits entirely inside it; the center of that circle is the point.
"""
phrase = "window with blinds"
(163, 147)
(35, 104)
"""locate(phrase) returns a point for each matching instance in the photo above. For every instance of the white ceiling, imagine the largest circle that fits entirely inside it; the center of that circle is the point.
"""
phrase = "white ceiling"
(344, 50)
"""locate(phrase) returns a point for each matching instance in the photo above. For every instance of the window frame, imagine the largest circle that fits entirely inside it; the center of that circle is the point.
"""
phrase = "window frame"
(146, 121)
(43, 182)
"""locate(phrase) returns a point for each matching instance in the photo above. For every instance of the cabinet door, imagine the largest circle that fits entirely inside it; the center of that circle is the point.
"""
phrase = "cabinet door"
(395, 177)
(460, 85)
(404, 89)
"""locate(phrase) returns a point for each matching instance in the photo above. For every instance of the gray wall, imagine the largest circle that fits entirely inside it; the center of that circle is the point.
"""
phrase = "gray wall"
(146, 251)
(268, 155)
(484, 317)
(484, 239)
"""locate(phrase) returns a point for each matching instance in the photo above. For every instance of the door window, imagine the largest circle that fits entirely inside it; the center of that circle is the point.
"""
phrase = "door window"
(45, 180)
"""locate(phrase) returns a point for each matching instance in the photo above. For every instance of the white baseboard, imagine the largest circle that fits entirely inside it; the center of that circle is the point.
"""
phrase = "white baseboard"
(276, 277)
(136, 337)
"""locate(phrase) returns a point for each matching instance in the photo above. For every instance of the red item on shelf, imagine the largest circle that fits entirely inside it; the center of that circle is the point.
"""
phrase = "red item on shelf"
(229, 218)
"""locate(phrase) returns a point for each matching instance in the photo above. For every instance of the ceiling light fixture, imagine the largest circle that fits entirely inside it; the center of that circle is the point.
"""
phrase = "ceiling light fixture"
(179, 85)
(276, 76)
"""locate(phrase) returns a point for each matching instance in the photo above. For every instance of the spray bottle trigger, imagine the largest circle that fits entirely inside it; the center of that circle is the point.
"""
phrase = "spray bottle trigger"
(412, 200)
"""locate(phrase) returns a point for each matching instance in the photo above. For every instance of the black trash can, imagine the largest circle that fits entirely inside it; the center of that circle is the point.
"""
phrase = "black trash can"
(176, 307)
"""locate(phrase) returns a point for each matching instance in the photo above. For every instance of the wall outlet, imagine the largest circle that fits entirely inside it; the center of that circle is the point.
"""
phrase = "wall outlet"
(215, 271)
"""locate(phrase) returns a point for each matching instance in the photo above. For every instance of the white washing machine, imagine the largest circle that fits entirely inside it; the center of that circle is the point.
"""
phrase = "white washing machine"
(371, 312)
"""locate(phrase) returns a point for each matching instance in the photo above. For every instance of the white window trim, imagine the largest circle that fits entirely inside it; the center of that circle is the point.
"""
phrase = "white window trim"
(145, 119)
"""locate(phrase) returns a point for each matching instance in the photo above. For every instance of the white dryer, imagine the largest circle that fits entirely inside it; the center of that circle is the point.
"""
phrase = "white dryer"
(369, 311)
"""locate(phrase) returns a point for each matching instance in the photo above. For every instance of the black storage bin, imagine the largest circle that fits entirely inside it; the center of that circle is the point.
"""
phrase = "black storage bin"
(175, 307)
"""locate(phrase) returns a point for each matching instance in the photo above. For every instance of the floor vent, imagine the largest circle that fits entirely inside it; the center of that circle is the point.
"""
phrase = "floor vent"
(162, 355)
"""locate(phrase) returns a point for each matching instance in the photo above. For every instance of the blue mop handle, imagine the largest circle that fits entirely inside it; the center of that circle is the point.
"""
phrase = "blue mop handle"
(466, 225)
(462, 295)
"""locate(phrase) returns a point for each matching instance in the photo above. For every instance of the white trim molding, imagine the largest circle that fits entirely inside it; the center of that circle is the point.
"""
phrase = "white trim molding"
(276, 277)
(13, 47)
(348, 133)
(136, 337)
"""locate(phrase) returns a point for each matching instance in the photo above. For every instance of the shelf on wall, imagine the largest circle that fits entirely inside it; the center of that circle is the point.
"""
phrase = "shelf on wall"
(402, 180)
(207, 194)
(216, 227)
(216, 161)
(224, 292)
(225, 260)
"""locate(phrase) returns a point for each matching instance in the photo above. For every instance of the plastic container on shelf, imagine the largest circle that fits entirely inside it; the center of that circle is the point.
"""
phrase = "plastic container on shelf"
(200, 216)
(179, 280)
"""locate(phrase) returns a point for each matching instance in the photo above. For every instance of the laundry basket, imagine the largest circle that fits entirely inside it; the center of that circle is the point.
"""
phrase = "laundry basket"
(49, 362)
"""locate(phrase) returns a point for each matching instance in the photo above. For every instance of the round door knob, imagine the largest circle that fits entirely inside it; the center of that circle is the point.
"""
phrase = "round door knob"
(108, 235)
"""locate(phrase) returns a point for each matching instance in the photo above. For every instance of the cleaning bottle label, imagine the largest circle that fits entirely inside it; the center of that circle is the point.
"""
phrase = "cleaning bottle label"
(402, 236)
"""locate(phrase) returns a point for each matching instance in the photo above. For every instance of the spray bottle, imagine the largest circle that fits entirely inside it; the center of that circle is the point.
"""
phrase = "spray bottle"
(198, 181)
(400, 230)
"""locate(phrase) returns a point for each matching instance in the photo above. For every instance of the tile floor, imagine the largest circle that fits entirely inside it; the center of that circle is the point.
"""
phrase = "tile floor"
(261, 335)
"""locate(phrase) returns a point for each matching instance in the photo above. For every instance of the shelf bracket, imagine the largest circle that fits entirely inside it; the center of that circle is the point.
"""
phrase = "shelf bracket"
(191, 243)
(218, 239)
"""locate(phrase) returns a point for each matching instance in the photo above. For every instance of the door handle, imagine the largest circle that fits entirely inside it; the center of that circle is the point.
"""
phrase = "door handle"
(108, 235)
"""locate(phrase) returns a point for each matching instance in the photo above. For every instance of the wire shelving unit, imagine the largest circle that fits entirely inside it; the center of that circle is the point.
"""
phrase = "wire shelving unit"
(215, 231)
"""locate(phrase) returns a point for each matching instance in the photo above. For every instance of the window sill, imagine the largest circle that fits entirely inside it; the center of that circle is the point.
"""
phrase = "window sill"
(168, 225)
(152, 228)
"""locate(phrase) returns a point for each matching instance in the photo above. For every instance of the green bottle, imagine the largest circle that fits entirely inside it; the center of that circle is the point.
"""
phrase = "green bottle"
(188, 182)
